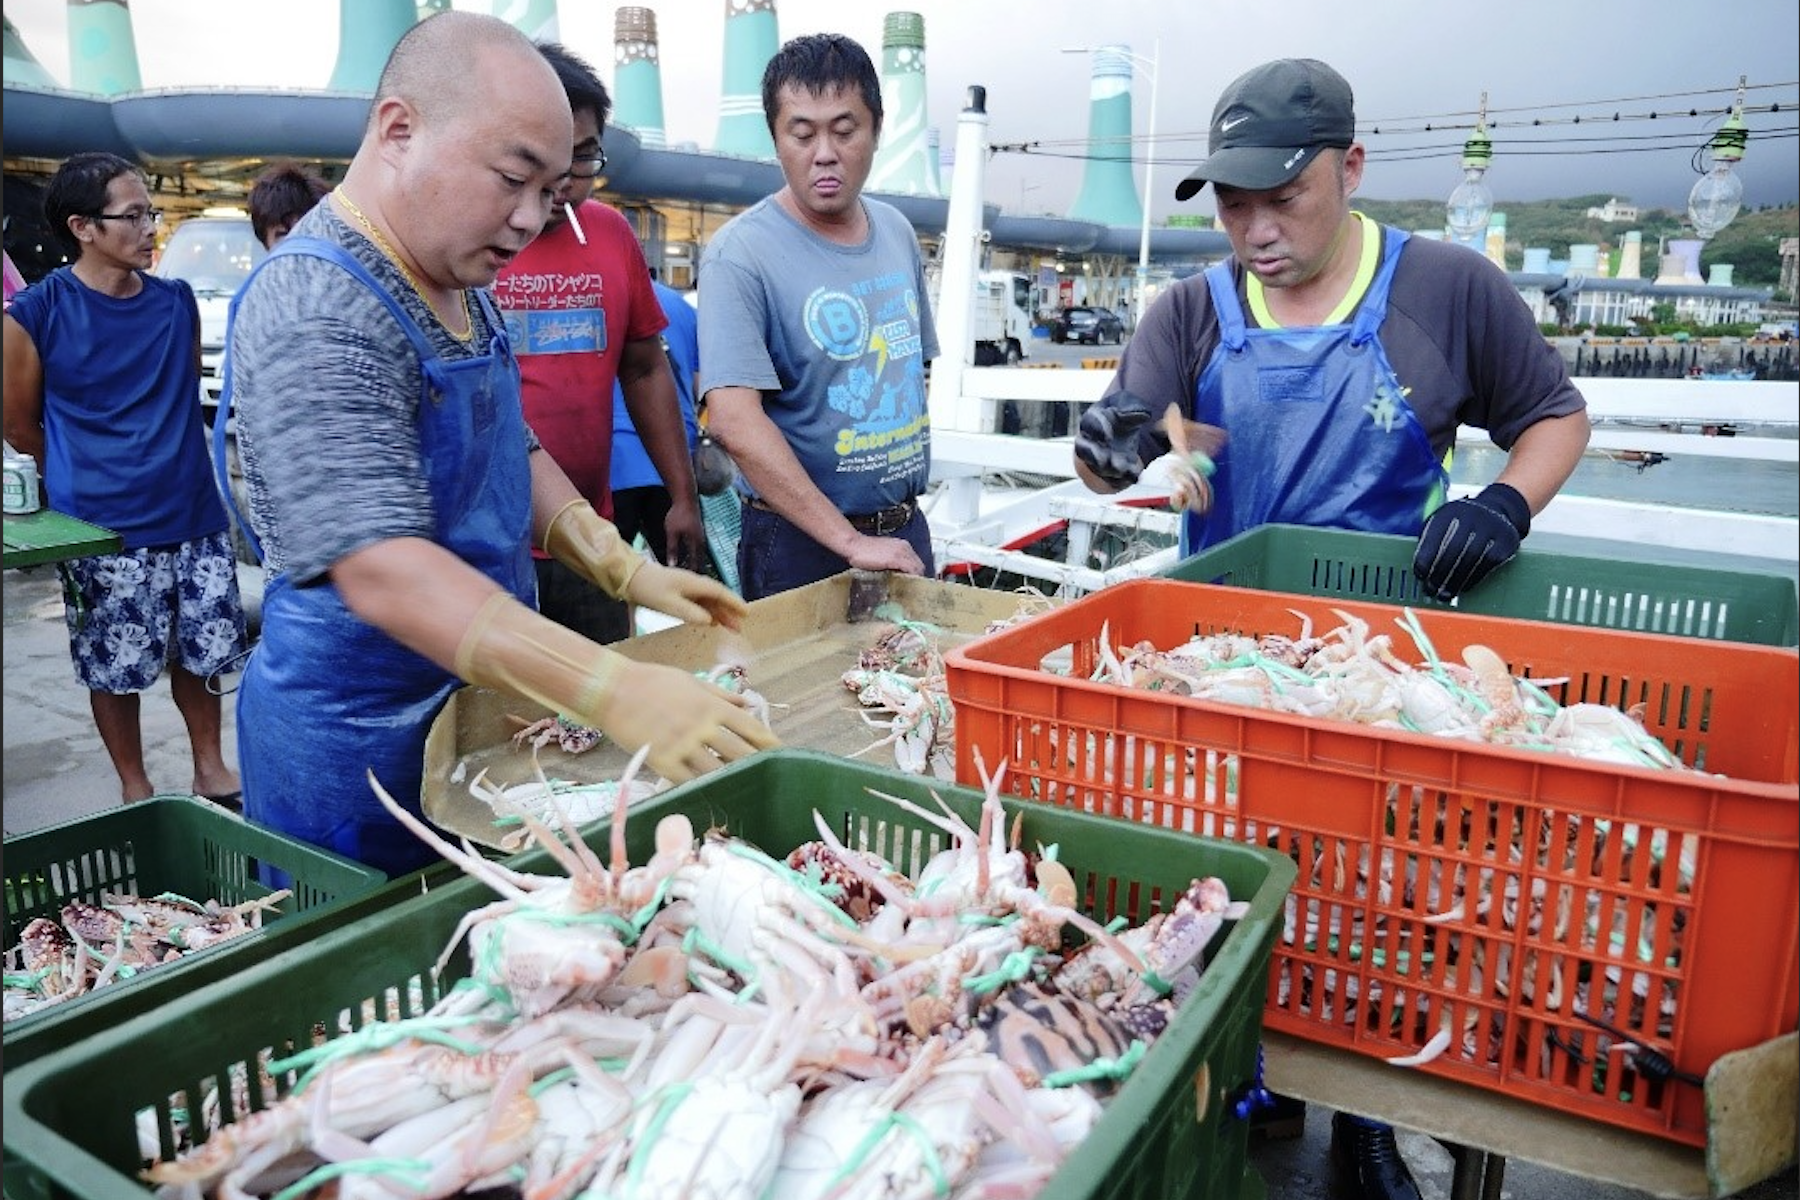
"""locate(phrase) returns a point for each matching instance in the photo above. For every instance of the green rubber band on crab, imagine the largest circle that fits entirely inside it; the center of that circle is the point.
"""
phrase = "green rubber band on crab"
(641, 919)
(1100, 1068)
(539, 1086)
(825, 893)
(409, 1169)
(981, 920)
(1014, 967)
(1203, 463)
(377, 1036)
(1156, 983)
(878, 1132)
(27, 979)
(668, 1099)
(695, 940)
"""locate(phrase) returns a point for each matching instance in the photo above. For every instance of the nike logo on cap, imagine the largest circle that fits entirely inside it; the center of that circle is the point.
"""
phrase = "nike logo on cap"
(1228, 126)
(1298, 155)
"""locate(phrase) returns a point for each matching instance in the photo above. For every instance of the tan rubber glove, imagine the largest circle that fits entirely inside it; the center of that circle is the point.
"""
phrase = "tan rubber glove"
(687, 596)
(583, 540)
(690, 726)
(587, 543)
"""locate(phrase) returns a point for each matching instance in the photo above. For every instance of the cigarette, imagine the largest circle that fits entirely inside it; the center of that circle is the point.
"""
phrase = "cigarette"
(569, 212)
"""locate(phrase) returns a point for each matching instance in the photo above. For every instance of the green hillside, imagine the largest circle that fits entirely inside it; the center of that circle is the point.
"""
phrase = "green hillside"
(1751, 243)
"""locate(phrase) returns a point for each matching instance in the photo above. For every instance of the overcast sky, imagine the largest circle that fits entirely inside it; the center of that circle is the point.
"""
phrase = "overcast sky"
(1549, 61)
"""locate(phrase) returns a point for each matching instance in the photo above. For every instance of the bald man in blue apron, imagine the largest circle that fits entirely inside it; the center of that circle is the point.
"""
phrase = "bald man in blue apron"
(394, 483)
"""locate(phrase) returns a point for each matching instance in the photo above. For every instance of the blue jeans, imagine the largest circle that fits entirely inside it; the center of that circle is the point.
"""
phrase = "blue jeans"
(775, 556)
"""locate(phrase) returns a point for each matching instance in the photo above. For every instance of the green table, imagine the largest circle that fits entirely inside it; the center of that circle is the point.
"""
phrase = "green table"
(45, 537)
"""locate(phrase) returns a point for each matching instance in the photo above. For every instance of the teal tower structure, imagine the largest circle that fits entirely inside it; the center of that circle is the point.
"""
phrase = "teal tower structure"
(751, 39)
(21, 65)
(102, 48)
(1108, 194)
(637, 75)
(367, 31)
(903, 162)
(536, 19)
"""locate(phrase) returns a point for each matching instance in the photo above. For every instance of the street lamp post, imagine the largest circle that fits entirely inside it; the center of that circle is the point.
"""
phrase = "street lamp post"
(1148, 66)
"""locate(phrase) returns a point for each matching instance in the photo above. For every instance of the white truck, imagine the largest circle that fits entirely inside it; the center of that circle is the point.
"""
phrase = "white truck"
(214, 252)
(1001, 313)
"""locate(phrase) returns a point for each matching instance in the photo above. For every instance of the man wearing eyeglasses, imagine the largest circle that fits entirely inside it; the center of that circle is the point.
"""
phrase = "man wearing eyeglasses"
(102, 388)
(581, 313)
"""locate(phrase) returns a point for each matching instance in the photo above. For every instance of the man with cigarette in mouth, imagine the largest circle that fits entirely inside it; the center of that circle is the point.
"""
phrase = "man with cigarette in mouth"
(580, 312)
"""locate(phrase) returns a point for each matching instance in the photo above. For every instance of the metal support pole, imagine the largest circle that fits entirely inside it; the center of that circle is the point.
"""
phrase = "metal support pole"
(1143, 271)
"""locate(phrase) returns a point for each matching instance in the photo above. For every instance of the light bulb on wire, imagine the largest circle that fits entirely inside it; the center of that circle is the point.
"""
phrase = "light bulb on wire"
(1471, 204)
(1719, 193)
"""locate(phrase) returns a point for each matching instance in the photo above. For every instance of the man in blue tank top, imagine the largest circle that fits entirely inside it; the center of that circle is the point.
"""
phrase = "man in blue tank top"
(1339, 357)
(103, 390)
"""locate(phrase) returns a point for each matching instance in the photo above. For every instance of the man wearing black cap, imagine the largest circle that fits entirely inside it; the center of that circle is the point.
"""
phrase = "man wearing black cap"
(1339, 356)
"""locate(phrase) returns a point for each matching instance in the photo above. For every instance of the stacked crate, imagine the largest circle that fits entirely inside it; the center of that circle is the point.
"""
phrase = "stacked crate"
(1389, 828)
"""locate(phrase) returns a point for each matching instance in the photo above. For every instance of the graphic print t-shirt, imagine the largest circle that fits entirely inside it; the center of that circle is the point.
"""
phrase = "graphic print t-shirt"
(836, 337)
(570, 309)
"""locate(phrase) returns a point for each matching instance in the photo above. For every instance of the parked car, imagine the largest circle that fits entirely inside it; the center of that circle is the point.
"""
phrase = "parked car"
(214, 252)
(1101, 326)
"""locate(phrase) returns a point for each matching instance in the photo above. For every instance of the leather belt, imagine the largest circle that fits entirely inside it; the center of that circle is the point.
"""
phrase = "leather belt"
(876, 524)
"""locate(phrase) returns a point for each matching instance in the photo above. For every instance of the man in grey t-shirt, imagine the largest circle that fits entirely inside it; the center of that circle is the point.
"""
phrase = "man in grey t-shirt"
(814, 334)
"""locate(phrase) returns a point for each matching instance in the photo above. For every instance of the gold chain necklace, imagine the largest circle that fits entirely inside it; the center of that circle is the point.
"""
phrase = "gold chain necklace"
(381, 244)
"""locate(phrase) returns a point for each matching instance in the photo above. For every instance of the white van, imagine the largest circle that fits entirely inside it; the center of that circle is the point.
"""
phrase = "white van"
(215, 252)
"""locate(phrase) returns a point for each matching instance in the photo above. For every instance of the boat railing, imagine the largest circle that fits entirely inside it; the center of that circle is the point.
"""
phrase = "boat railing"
(1744, 421)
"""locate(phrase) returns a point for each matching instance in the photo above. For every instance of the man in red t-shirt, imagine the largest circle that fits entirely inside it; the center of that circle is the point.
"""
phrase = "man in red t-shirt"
(580, 312)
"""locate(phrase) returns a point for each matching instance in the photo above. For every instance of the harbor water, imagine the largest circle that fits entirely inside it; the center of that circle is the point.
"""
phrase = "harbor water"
(1686, 481)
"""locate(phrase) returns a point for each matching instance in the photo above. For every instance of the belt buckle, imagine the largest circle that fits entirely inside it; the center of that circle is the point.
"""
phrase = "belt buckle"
(884, 521)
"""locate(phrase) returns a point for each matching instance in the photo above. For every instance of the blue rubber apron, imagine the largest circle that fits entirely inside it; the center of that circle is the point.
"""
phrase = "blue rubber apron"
(328, 697)
(1318, 428)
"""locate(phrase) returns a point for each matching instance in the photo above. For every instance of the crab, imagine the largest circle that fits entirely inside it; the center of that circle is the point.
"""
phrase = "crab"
(571, 736)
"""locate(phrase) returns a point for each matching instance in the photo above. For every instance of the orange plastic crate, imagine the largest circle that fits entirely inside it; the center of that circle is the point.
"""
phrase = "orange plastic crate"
(1572, 848)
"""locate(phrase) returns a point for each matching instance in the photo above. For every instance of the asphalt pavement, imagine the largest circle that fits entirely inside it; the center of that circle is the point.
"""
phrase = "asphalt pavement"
(56, 771)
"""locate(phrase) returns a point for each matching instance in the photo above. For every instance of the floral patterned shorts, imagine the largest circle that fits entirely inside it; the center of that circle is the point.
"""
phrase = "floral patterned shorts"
(131, 613)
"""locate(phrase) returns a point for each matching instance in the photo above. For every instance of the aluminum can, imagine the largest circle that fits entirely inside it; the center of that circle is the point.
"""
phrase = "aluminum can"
(21, 484)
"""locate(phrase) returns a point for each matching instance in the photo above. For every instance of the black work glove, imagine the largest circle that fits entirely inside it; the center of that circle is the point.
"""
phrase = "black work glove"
(1466, 539)
(1115, 439)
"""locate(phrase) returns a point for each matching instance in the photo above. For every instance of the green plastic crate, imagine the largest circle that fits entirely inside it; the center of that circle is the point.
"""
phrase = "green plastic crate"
(1538, 585)
(1153, 1143)
(164, 844)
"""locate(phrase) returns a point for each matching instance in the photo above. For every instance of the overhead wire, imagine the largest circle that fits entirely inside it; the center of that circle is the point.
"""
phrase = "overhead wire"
(1505, 126)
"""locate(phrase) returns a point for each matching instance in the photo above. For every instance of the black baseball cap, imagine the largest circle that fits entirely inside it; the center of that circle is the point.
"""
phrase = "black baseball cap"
(1269, 123)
